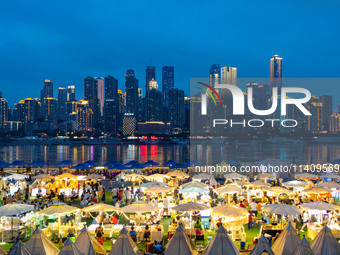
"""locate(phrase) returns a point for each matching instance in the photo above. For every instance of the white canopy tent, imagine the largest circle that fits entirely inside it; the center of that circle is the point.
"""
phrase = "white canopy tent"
(39, 244)
(325, 243)
(124, 245)
(180, 244)
(287, 241)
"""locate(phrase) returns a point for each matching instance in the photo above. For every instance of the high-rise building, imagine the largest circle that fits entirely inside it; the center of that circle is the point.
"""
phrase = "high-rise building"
(131, 89)
(84, 116)
(62, 99)
(153, 105)
(153, 85)
(314, 121)
(168, 82)
(327, 110)
(261, 95)
(91, 96)
(214, 74)
(129, 124)
(47, 91)
(31, 110)
(229, 75)
(176, 108)
(150, 74)
(111, 88)
(50, 112)
(71, 93)
(110, 116)
(3, 111)
(276, 73)
(101, 97)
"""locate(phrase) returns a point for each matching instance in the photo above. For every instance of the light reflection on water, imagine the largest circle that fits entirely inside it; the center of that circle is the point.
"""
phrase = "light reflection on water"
(204, 153)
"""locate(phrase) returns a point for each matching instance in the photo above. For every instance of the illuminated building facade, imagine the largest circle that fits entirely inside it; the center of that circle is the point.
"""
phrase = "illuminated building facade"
(84, 116)
(276, 73)
(129, 124)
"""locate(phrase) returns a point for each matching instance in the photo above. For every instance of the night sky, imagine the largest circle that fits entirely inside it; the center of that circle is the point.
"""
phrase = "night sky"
(67, 40)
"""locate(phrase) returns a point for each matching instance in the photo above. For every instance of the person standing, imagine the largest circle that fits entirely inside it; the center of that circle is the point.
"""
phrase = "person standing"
(104, 194)
(166, 206)
(99, 233)
(128, 196)
(250, 220)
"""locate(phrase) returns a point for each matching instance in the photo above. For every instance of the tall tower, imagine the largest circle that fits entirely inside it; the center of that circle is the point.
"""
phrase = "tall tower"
(214, 74)
(229, 75)
(100, 88)
(47, 91)
(131, 89)
(150, 74)
(62, 99)
(3, 111)
(91, 96)
(168, 81)
(111, 88)
(276, 73)
(71, 93)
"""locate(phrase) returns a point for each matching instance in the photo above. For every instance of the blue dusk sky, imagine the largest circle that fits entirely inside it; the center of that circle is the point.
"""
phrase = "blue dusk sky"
(67, 40)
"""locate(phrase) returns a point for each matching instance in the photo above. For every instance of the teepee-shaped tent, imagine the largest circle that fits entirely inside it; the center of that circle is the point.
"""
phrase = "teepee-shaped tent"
(124, 245)
(180, 244)
(39, 244)
(2, 251)
(261, 247)
(303, 248)
(87, 244)
(325, 243)
(221, 244)
(287, 241)
(18, 249)
(69, 248)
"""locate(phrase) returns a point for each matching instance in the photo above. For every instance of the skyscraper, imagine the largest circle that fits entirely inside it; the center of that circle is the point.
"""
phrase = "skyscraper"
(84, 116)
(168, 81)
(229, 75)
(91, 95)
(131, 89)
(50, 112)
(62, 99)
(3, 111)
(111, 88)
(176, 108)
(276, 73)
(47, 91)
(71, 93)
(100, 88)
(214, 74)
(150, 74)
(154, 105)
(327, 110)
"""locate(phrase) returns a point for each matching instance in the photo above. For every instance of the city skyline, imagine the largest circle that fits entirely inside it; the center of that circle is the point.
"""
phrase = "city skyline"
(65, 45)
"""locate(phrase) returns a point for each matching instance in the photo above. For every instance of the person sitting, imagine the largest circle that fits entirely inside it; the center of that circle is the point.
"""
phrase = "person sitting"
(72, 232)
(147, 232)
(133, 234)
(198, 226)
(39, 194)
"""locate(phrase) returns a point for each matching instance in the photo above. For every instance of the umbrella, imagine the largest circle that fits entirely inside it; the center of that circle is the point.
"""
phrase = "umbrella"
(59, 209)
(316, 190)
(229, 210)
(193, 163)
(193, 190)
(233, 162)
(190, 207)
(90, 163)
(235, 176)
(117, 167)
(177, 166)
(15, 209)
(66, 176)
(265, 176)
(139, 207)
(65, 163)
(239, 183)
(295, 184)
(330, 176)
(41, 176)
(39, 163)
(194, 184)
(132, 162)
(19, 163)
(329, 185)
(152, 184)
(282, 209)
(306, 176)
(17, 176)
(169, 162)
(278, 190)
(228, 190)
(133, 176)
(178, 174)
(259, 184)
(122, 184)
(135, 166)
(4, 164)
(158, 189)
(112, 163)
(150, 163)
(157, 177)
(94, 177)
(82, 166)
(320, 205)
(100, 207)
(335, 161)
(203, 176)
